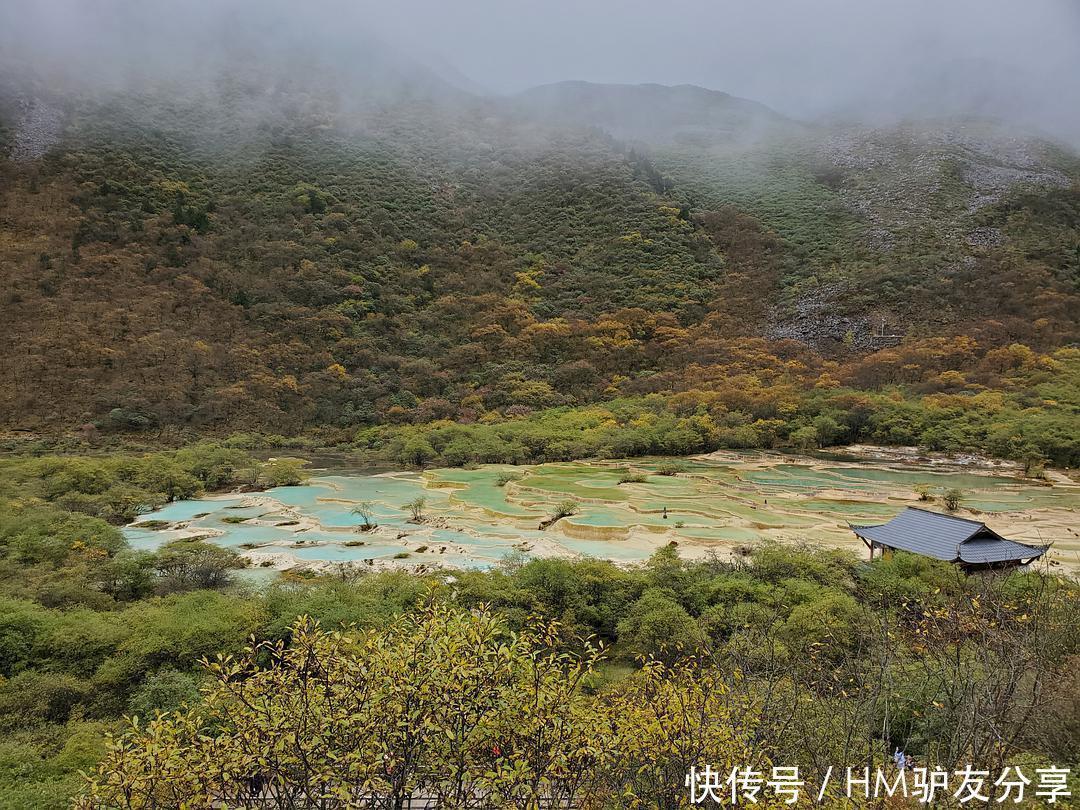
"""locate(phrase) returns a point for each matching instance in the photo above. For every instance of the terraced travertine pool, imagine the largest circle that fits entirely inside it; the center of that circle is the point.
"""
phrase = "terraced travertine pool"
(475, 517)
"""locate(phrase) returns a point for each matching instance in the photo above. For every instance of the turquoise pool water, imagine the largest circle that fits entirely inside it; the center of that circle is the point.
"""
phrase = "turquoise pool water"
(476, 517)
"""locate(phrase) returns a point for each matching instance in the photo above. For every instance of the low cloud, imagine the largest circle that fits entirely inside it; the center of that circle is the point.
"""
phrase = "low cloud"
(859, 58)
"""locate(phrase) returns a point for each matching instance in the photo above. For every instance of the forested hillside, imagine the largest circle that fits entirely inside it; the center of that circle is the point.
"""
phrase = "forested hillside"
(275, 258)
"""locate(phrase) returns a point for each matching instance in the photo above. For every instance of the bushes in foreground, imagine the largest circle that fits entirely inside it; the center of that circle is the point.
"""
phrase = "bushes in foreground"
(481, 707)
(444, 704)
(833, 659)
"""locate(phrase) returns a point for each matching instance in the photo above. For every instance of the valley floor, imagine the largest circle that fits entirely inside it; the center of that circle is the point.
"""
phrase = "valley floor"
(721, 504)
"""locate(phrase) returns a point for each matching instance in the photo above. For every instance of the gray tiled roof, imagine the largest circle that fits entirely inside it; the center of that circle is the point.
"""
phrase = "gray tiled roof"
(992, 550)
(945, 537)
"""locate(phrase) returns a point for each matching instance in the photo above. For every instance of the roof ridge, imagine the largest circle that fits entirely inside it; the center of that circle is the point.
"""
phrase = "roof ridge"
(943, 515)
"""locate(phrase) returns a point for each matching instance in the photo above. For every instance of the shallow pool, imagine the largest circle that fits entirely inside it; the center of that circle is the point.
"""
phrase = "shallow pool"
(476, 517)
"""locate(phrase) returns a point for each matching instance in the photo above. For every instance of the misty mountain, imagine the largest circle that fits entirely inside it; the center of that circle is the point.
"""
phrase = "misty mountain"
(320, 246)
(984, 89)
(654, 112)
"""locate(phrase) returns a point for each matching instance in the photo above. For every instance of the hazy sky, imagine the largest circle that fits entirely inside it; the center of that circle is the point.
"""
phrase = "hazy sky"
(803, 57)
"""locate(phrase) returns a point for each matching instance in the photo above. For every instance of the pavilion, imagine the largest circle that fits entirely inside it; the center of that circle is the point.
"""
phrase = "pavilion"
(966, 543)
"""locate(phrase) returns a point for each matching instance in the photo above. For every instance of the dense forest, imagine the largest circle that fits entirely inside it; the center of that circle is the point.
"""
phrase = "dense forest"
(200, 265)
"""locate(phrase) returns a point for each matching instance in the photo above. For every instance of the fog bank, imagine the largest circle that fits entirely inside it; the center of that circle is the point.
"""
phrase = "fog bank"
(858, 58)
